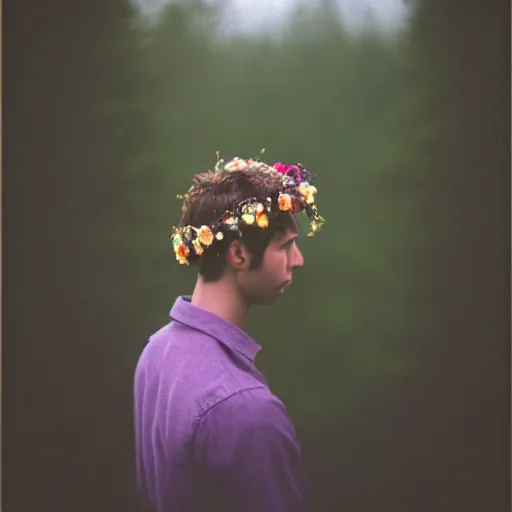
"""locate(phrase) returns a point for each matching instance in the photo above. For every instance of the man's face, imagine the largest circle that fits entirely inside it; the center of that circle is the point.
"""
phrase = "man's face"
(262, 286)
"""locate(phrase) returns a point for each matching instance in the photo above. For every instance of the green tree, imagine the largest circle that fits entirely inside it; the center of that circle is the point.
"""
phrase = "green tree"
(350, 107)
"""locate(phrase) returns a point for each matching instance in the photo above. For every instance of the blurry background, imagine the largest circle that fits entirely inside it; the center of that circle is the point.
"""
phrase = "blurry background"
(391, 350)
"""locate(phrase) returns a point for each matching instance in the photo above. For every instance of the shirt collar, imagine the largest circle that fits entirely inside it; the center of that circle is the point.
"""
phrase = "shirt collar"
(222, 330)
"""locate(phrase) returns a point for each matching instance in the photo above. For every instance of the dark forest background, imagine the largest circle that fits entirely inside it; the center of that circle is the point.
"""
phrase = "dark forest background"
(392, 351)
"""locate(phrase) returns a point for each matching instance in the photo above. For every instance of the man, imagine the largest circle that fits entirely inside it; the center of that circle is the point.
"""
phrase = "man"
(210, 435)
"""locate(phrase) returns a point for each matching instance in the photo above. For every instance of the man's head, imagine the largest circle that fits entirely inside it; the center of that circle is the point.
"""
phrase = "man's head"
(248, 232)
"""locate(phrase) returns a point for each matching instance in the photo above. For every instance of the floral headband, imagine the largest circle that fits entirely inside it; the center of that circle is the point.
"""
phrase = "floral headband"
(296, 194)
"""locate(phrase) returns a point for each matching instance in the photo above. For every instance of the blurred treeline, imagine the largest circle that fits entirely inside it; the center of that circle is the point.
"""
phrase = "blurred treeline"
(380, 347)
(348, 106)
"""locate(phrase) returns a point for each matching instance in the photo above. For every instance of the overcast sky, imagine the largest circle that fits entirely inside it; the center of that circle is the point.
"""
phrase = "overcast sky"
(255, 15)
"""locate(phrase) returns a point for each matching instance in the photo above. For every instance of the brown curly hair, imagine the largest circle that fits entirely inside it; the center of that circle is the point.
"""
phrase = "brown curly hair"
(213, 193)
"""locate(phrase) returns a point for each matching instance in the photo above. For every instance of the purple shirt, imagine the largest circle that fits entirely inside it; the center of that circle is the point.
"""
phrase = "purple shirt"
(210, 435)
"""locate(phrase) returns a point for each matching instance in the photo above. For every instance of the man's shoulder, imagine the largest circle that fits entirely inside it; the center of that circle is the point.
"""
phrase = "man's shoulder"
(246, 408)
(175, 342)
(195, 368)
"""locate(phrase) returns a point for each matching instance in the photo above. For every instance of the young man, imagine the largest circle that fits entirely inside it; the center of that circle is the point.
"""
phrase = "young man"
(210, 435)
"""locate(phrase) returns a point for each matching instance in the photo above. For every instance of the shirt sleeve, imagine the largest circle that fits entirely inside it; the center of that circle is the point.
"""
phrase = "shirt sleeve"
(249, 450)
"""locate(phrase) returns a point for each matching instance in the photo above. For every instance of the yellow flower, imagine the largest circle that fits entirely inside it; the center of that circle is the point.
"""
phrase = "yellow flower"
(308, 192)
(248, 218)
(205, 235)
(316, 224)
(237, 164)
(262, 220)
(197, 246)
(230, 221)
(285, 202)
(182, 253)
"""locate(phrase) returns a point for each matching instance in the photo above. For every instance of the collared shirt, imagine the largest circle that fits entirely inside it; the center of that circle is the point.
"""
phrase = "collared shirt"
(210, 435)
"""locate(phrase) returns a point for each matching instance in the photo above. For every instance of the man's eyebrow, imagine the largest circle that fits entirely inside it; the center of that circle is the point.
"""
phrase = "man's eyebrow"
(290, 238)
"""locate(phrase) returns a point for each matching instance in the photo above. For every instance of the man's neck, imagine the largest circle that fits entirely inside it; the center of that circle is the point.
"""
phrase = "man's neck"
(222, 299)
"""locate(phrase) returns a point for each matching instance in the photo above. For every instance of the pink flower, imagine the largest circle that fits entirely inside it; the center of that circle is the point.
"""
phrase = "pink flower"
(288, 169)
(280, 167)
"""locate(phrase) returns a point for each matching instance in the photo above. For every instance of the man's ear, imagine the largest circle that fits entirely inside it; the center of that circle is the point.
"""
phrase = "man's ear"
(238, 256)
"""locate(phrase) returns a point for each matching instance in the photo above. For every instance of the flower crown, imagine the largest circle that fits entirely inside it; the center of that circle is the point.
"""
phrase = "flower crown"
(296, 194)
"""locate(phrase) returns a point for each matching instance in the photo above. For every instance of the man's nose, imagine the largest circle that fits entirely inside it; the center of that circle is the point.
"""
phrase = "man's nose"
(298, 259)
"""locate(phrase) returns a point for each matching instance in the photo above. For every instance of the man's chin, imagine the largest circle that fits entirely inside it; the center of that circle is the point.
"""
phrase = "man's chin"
(276, 296)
